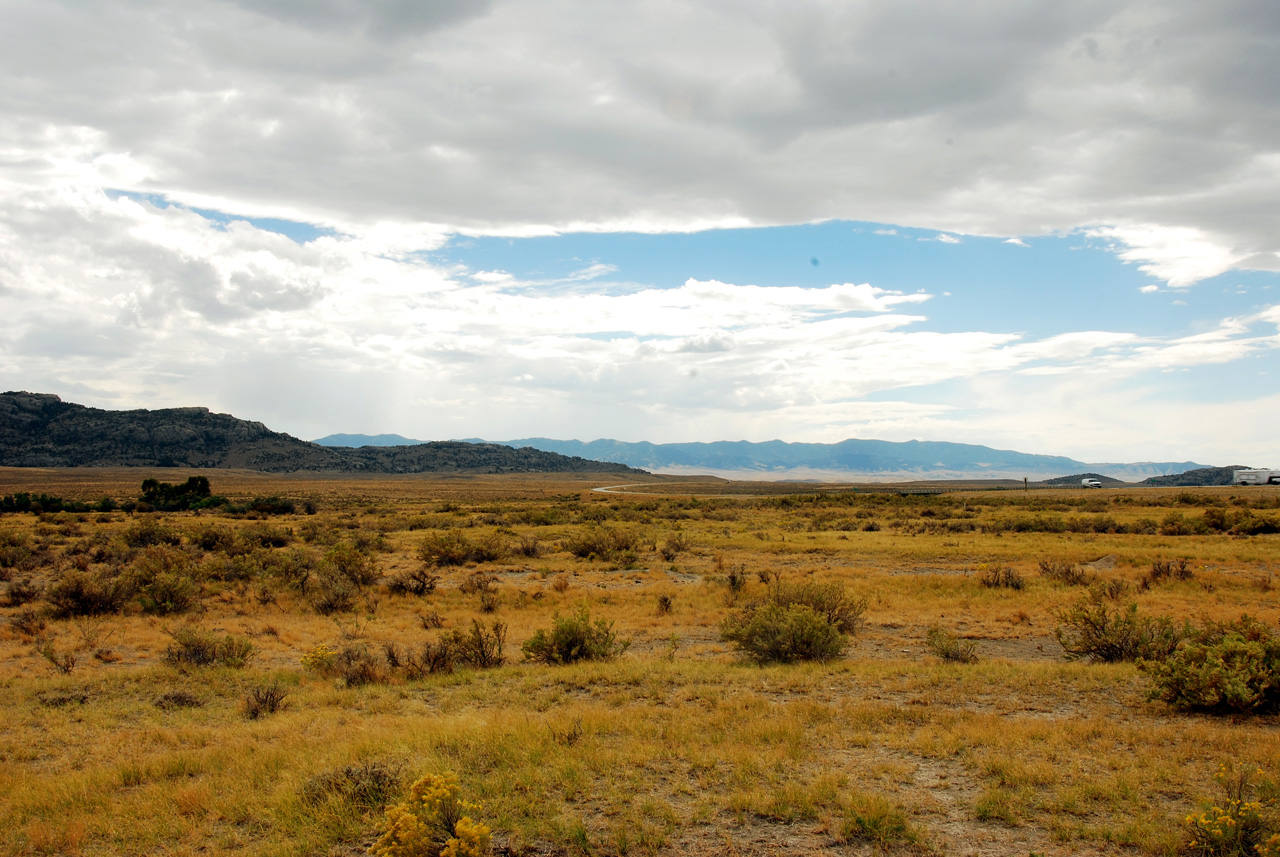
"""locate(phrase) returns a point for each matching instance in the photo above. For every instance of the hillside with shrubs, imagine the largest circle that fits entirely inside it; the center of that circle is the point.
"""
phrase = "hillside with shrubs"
(41, 430)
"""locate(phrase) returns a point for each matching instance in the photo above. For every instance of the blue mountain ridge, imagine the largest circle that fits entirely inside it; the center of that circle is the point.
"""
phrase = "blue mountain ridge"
(924, 458)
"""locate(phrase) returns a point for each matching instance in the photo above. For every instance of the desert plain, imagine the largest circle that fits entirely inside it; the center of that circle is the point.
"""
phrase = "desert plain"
(953, 721)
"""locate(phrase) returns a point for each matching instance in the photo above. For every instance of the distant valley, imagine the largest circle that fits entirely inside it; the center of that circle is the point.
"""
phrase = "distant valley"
(41, 430)
(860, 459)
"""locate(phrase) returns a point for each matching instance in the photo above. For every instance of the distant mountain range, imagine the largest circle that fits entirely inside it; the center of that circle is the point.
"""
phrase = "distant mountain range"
(359, 440)
(41, 430)
(873, 459)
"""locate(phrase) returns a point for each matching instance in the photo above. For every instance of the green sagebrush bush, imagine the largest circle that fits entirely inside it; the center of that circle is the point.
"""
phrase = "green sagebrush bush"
(1097, 630)
(148, 532)
(349, 561)
(332, 592)
(829, 600)
(1224, 667)
(162, 578)
(795, 622)
(168, 592)
(602, 542)
(455, 548)
(575, 638)
(773, 632)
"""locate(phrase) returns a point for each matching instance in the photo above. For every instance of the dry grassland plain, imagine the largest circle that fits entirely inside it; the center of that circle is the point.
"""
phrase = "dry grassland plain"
(322, 703)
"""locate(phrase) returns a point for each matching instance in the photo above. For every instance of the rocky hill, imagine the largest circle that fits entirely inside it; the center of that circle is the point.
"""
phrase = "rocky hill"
(41, 430)
(1074, 480)
(1199, 476)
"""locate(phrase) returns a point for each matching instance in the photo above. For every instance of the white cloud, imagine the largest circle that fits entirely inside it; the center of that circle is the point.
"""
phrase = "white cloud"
(492, 276)
(1181, 256)
(136, 305)
(1154, 119)
(1146, 124)
(1017, 242)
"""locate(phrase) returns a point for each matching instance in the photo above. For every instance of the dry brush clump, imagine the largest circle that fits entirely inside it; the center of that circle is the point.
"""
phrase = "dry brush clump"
(355, 663)
(1163, 570)
(174, 700)
(29, 622)
(61, 662)
(949, 647)
(88, 593)
(22, 590)
(195, 647)
(674, 546)
(1066, 573)
(414, 581)
(368, 785)
(265, 699)
(1000, 577)
(1099, 631)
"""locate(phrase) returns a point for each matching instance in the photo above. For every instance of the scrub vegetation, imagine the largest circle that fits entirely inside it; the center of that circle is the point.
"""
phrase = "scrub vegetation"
(522, 665)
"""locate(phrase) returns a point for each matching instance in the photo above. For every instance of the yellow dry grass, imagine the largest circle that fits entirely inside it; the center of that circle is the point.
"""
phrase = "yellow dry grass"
(676, 747)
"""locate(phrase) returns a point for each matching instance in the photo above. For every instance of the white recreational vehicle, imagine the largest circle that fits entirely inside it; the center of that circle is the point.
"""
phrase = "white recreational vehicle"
(1256, 477)
(1090, 483)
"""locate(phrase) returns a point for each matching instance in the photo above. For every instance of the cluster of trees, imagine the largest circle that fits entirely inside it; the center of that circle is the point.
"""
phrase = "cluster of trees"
(195, 493)
(37, 503)
(156, 496)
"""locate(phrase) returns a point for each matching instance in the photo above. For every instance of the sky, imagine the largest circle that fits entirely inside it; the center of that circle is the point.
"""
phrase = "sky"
(1037, 225)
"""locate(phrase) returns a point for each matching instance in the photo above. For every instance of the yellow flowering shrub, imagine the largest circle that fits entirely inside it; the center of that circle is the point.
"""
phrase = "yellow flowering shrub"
(321, 660)
(1234, 826)
(433, 822)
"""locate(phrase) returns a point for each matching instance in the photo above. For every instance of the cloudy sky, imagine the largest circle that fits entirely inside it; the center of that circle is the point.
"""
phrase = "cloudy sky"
(1034, 224)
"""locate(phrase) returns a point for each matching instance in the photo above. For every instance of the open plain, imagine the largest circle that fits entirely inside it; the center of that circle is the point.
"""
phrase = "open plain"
(325, 696)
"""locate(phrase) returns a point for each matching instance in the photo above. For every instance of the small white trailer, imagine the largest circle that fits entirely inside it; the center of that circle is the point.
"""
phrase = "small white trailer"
(1256, 477)
(1090, 483)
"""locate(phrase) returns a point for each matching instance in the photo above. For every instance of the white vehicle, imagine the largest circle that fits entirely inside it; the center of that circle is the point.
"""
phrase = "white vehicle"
(1090, 483)
(1256, 477)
